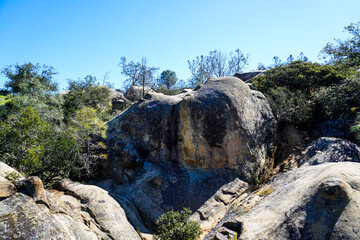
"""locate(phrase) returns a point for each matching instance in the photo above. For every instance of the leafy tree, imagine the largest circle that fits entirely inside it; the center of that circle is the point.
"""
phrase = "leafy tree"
(32, 86)
(21, 140)
(346, 52)
(30, 79)
(216, 64)
(168, 78)
(175, 225)
(138, 73)
(50, 108)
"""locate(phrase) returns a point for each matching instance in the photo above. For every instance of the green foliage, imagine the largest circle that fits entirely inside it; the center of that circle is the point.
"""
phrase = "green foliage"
(52, 135)
(166, 91)
(255, 179)
(338, 100)
(30, 79)
(168, 78)
(49, 108)
(345, 52)
(84, 93)
(175, 225)
(88, 130)
(290, 89)
(36, 148)
(290, 106)
(22, 140)
(299, 75)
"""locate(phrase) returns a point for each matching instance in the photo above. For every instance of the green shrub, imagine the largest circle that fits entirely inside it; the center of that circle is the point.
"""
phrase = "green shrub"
(339, 99)
(293, 89)
(299, 75)
(175, 225)
(35, 147)
(164, 90)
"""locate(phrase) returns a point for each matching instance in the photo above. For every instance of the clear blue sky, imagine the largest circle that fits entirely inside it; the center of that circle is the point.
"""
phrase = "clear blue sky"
(80, 37)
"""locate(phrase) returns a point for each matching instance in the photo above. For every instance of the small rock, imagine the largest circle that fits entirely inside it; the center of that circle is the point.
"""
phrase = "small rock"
(35, 188)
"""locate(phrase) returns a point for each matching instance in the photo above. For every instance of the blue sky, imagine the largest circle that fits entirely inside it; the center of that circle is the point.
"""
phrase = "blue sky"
(81, 37)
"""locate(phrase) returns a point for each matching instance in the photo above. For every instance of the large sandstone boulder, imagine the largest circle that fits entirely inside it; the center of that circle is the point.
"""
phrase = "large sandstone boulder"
(223, 125)
(170, 152)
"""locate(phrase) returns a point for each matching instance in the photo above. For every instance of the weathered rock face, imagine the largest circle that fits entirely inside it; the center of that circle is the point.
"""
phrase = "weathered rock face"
(105, 213)
(318, 200)
(223, 125)
(135, 93)
(22, 218)
(78, 212)
(313, 202)
(176, 151)
(214, 209)
(328, 149)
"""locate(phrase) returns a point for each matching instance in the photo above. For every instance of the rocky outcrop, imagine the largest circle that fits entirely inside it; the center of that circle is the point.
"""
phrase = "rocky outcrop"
(171, 152)
(328, 149)
(313, 202)
(214, 209)
(77, 212)
(118, 101)
(318, 200)
(135, 93)
(22, 218)
(223, 125)
(105, 213)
